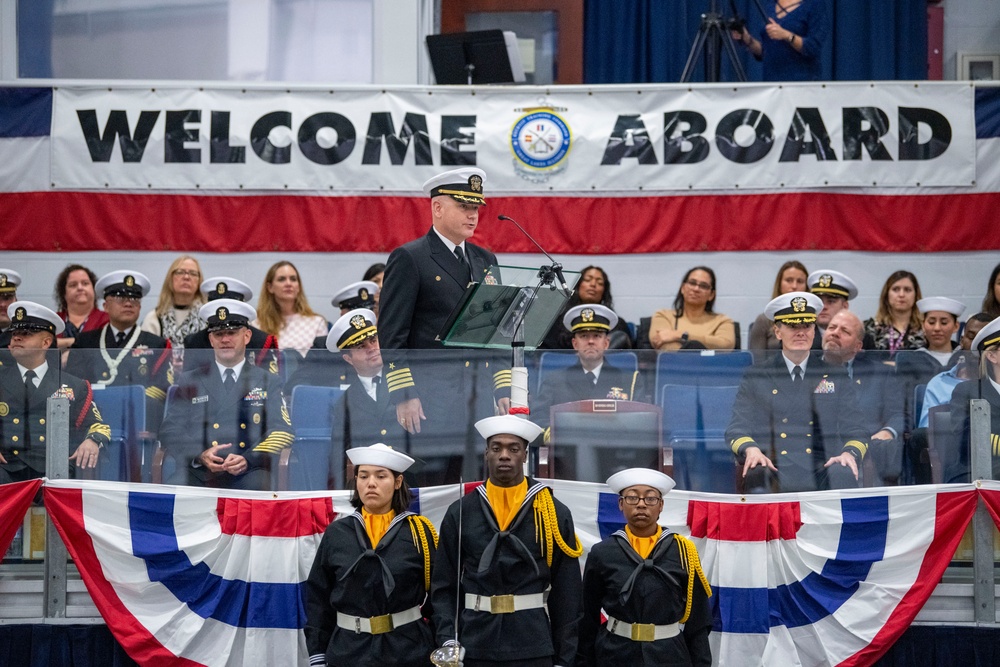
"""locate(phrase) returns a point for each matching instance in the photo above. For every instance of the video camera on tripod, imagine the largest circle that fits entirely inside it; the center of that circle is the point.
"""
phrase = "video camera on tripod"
(712, 38)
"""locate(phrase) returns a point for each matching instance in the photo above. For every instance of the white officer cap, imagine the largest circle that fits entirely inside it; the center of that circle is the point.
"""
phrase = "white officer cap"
(379, 455)
(830, 282)
(227, 314)
(590, 318)
(635, 476)
(31, 316)
(943, 303)
(794, 308)
(123, 283)
(9, 280)
(988, 336)
(224, 287)
(356, 295)
(511, 424)
(464, 185)
(350, 329)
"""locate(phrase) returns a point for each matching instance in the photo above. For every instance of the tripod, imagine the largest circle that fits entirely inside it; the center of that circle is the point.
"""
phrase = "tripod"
(712, 37)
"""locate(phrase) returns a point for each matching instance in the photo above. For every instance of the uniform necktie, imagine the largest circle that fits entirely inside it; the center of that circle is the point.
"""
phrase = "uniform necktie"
(591, 377)
(797, 374)
(29, 386)
(230, 380)
(120, 339)
(460, 254)
(377, 385)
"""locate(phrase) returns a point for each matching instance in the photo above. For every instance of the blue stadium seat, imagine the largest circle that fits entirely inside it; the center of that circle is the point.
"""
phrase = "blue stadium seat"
(308, 461)
(122, 408)
(551, 361)
(701, 367)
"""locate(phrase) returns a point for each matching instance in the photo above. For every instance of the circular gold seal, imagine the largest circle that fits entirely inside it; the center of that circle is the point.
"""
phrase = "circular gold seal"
(4, 409)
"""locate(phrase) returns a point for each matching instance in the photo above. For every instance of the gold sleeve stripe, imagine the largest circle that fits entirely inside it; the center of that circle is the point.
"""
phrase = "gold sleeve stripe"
(399, 379)
(275, 442)
(858, 445)
(100, 429)
(739, 442)
(156, 393)
(502, 379)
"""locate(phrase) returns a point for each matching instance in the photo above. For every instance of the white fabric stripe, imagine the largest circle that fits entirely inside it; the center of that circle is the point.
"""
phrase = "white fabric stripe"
(26, 167)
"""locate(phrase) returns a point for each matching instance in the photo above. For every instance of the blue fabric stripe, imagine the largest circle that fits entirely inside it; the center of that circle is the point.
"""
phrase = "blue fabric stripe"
(25, 112)
(415, 503)
(740, 610)
(609, 517)
(987, 113)
(238, 603)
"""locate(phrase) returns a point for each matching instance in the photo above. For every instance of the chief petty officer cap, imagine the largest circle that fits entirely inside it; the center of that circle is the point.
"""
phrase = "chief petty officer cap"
(464, 185)
(9, 280)
(794, 308)
(352, 328)
(379, 455)
(987, 337)
(635, 476)
(834, 283)
(30, 316)
(123, 283)
(511, 424)
(356, 295)
(942, 303)
(590, 318)
(227, 314)
(224, 287)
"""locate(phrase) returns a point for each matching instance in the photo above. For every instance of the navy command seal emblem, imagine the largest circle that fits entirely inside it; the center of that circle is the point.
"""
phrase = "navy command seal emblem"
(540, 141)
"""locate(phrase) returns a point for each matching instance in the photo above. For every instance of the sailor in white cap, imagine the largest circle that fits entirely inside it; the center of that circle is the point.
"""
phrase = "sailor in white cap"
(227, 422)
(517, 542)
(640, 577)
(25, 387)
(356, 295)
(372, 571)
(9, 282)
(796, 425)
(836, 290)
(941, 320)
(424, 280)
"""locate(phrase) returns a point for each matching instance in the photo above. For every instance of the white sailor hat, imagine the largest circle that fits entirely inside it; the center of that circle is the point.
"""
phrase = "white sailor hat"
(988, 336)
(794, 308)
(634, 476)
(830, 282)
(590, 317)
(352, 328)
(511, 424)
(379, 455)
(123, 283)
(30, 316)
(9, 280)
(224, 287)
(943, 303)
(356, 295)
(227, 314)
(464, 185)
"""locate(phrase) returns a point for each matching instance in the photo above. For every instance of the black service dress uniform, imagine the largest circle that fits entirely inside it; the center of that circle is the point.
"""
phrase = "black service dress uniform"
(360, 421)
(565, 385)
(350, 577)
(955, 459)
(262, 350)
(631, 589)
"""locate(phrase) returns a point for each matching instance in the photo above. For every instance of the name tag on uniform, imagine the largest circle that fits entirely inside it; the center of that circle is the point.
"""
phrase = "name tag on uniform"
(199, 399)
(824, 387)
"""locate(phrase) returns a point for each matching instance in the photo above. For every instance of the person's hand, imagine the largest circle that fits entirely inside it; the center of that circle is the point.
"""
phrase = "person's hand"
(409, 414)
(776, 32)
(85, 455)
(740, 35)
(754, 458)
(884, 434)
(664, 336)
(845, 459)
(211, 459)
(503, 406)
(235, 464)
(2, 459)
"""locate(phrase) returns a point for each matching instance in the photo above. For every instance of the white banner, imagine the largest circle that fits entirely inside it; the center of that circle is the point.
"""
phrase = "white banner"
(528, 139)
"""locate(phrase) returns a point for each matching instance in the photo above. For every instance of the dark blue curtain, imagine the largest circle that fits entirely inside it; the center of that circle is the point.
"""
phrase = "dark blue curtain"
(60, 646)
(648, 41)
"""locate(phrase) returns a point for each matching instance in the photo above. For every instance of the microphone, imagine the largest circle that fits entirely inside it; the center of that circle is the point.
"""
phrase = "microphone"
(556, 266)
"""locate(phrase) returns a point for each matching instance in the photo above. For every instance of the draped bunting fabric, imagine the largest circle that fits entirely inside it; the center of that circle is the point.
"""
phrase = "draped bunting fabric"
(14, 502)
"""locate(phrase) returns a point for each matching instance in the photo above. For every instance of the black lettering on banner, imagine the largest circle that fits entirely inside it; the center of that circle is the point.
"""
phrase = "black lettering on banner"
(910, 147)
(176, 134)
(102, 145)
(682, 128)
(807, 135)
(855, 137)
(629, 139)
(725, 136)
(457, 131)
(262, 146)
(346, 138)
(414, 126)
(219, 150)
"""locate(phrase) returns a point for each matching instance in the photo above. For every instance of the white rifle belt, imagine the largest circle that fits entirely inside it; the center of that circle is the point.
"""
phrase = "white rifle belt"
(504, 604)
(377, 625)
(642, 632)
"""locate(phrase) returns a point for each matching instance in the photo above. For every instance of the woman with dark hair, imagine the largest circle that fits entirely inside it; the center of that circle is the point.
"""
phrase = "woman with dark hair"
(692, 322)
(375, 273)
(593, 287)
(283, 310)
(77, 304)
(898, 323)
(991, 302)
(366, 593)
(791, 278)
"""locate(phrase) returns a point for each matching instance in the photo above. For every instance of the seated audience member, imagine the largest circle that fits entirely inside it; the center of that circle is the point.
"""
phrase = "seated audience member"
(791, 278)
(692, 323)
(283, 310)
(796, 425)
(375, 273)
(176, 313)
(262, 350)
(226, 421)
(356, 295)
(991, 302)
(9, 281)
(898, 324)
(589, 377)
(593, 287)
(880, 399)
(964, 366)
(940, 325)
(836, 290)
(25, 387)
(77, 303)
(956, 460)
(119, 353)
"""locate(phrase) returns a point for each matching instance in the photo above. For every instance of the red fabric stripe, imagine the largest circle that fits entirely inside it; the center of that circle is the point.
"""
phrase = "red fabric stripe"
(15, 499)
(734, 522)
(65, 508)
(78, 221)
(275, 518)
(954, 512)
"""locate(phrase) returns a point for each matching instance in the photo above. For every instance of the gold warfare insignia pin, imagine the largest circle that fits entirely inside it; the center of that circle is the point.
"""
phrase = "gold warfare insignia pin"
(587, 315)
(799, 304)
(4, 409)
(825, 280)
(20, 313)
(221, 288)
(256, 418)
(129, 281)
(364, 294)
(476, 183)
(222, 314)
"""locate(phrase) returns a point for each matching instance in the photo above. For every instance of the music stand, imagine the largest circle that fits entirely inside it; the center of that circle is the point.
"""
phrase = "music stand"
(475, 58)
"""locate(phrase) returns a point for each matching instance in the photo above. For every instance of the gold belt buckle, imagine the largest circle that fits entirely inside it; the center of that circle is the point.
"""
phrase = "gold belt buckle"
(643, 632)
(381, 624)
(501, 604)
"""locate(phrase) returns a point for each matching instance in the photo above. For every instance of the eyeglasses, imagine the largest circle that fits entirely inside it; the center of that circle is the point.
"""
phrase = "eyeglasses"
(187, 273)
(648, 501)
(698, 285)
